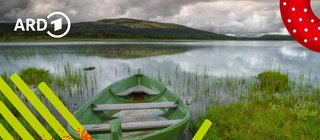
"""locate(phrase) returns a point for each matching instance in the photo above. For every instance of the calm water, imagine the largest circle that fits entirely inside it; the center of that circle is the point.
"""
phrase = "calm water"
(170, 62)
(234, 58)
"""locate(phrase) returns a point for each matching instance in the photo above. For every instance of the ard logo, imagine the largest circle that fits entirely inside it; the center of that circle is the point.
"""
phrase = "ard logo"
(41, 24)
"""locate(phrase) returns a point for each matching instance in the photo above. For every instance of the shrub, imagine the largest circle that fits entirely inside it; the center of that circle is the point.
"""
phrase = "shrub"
(34, 76)
(272, 82)
(251, 121)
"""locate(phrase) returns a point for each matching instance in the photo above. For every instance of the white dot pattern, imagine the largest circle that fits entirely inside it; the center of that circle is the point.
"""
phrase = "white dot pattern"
(301, 22)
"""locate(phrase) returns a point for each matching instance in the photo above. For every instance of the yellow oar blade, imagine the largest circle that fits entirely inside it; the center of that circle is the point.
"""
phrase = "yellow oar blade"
(23, 110)
(14, 122)
(5, 134)
(202, 130)
(40, 107)
(67, 115)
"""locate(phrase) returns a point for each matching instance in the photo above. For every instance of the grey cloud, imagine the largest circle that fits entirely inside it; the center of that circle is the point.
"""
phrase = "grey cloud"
(8, 5)
(95, 9)
(232, 17)
(162, 8)
(30, 8)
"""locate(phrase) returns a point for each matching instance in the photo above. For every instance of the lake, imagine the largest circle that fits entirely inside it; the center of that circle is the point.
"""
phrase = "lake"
(176, 63)
(234, 58)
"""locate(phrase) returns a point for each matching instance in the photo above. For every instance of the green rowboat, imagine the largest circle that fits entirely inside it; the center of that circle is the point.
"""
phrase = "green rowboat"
(135, 108)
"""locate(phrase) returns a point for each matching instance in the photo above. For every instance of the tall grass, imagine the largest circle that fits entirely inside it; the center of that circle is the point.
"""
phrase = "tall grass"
(240, 107)
(271, 105)
(200, 89)
(73, 88)
(278, 109)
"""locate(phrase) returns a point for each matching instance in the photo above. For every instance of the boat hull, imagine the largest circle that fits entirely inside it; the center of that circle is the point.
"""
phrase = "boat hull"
(111, 95)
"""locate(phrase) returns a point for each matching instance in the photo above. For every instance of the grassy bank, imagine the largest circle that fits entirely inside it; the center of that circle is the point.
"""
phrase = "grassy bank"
(270, 105)
(69, 86)
(275, 108)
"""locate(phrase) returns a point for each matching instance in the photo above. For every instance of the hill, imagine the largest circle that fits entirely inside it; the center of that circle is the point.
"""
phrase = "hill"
(132, 28)
(123, 28)
(115, 29)
(268, 37)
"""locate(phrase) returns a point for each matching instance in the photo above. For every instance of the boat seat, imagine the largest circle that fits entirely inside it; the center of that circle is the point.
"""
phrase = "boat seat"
(137, 89)
(134, 106)
(132, 125)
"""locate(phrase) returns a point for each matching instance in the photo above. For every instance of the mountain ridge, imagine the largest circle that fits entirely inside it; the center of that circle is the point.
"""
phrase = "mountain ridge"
(126, 28)
(134, 28)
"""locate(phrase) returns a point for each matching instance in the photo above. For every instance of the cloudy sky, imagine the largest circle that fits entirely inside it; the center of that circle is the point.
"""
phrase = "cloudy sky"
(237, 17)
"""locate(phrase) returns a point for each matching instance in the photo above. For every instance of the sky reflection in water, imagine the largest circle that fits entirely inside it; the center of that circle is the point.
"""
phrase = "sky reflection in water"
(219, 58)
(115, 61)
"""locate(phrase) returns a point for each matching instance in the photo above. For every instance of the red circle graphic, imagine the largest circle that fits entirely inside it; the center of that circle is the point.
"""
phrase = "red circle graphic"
(301, 22)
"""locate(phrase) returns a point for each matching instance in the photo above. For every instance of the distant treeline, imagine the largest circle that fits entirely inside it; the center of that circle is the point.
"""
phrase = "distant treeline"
(125, 29)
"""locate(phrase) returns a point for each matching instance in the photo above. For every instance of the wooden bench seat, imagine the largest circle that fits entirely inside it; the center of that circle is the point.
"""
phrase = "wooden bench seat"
(132, 125)
(134, 106)
(137, 89)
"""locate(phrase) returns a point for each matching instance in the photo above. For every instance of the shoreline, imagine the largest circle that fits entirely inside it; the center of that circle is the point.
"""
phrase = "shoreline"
(115, 41)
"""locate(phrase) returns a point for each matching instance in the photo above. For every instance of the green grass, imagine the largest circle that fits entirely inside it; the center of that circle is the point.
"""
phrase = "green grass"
(290, 113)
(273, 81)
(240, 108)
(123, 51)
(34, 76)
(283, 119)
(72, 83)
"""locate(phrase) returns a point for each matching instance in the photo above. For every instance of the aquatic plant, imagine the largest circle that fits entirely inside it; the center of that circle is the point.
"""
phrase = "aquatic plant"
(272, 81)
(34, 76)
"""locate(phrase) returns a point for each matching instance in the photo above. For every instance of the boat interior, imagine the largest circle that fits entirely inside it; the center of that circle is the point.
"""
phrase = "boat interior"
(130, 108)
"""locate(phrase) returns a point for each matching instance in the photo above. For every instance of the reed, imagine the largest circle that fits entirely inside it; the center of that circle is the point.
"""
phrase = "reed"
(290, 111)
(73, 87)
(239, 106)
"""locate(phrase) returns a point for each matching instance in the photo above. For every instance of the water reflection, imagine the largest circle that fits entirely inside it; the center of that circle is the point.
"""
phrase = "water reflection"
(171, 62)
(234, 58)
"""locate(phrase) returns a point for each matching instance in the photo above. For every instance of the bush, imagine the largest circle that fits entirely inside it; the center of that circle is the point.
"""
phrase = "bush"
(34, 76)
(251, 121)
(272, 82)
